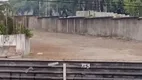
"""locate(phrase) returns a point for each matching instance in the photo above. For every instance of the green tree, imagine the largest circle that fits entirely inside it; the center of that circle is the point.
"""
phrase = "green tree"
(6, 22)
(116, 6)
(133, 7)
(69, 7)
(22, 6)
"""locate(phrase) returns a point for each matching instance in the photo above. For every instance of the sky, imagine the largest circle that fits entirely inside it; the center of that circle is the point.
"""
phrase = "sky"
(3, 0)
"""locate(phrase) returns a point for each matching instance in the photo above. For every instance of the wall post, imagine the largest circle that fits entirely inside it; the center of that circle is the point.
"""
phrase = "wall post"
(64, 71)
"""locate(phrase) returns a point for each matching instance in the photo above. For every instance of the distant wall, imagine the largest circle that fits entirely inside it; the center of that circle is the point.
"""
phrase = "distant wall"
(129, 28)
(99, 14)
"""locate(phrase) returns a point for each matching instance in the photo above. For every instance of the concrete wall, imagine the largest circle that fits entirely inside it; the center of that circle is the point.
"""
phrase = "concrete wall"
(34, 23)
(99, 14)
(127, 28)
(19, 41)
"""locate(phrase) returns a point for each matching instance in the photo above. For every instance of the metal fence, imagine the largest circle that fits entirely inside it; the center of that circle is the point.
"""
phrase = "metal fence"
(69, 70)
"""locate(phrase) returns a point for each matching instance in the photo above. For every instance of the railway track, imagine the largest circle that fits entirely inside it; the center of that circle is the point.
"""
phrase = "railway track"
(69, 70)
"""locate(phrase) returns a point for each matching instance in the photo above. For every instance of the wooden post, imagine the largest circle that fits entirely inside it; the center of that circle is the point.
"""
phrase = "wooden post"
(64, 71)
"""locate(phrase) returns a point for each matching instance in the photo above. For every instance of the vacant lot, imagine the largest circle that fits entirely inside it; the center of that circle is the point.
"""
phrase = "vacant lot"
(58, 46)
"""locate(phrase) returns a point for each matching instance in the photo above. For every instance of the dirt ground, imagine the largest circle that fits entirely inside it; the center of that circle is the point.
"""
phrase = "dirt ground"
(59, 46)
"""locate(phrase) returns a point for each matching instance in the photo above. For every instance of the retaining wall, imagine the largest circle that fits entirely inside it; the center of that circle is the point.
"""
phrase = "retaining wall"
(129, 27)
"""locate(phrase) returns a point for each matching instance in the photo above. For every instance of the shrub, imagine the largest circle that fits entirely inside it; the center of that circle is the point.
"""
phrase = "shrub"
(2, 29)
(23, 30)
(19, 30)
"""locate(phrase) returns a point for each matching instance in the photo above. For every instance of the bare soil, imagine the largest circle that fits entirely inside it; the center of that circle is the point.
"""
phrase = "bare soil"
(59, 46)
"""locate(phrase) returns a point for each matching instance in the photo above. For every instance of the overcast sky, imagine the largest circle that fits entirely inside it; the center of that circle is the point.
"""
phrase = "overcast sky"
(3, 0)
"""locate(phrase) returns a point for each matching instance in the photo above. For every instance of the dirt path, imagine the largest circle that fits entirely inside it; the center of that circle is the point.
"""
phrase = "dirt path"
(58, 46)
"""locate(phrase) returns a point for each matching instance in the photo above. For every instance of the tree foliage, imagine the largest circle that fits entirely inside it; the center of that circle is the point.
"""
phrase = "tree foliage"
(22, 6)
(133, 7)
(116, 6)
(42, 7)
(5, 19)
(7, 24)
